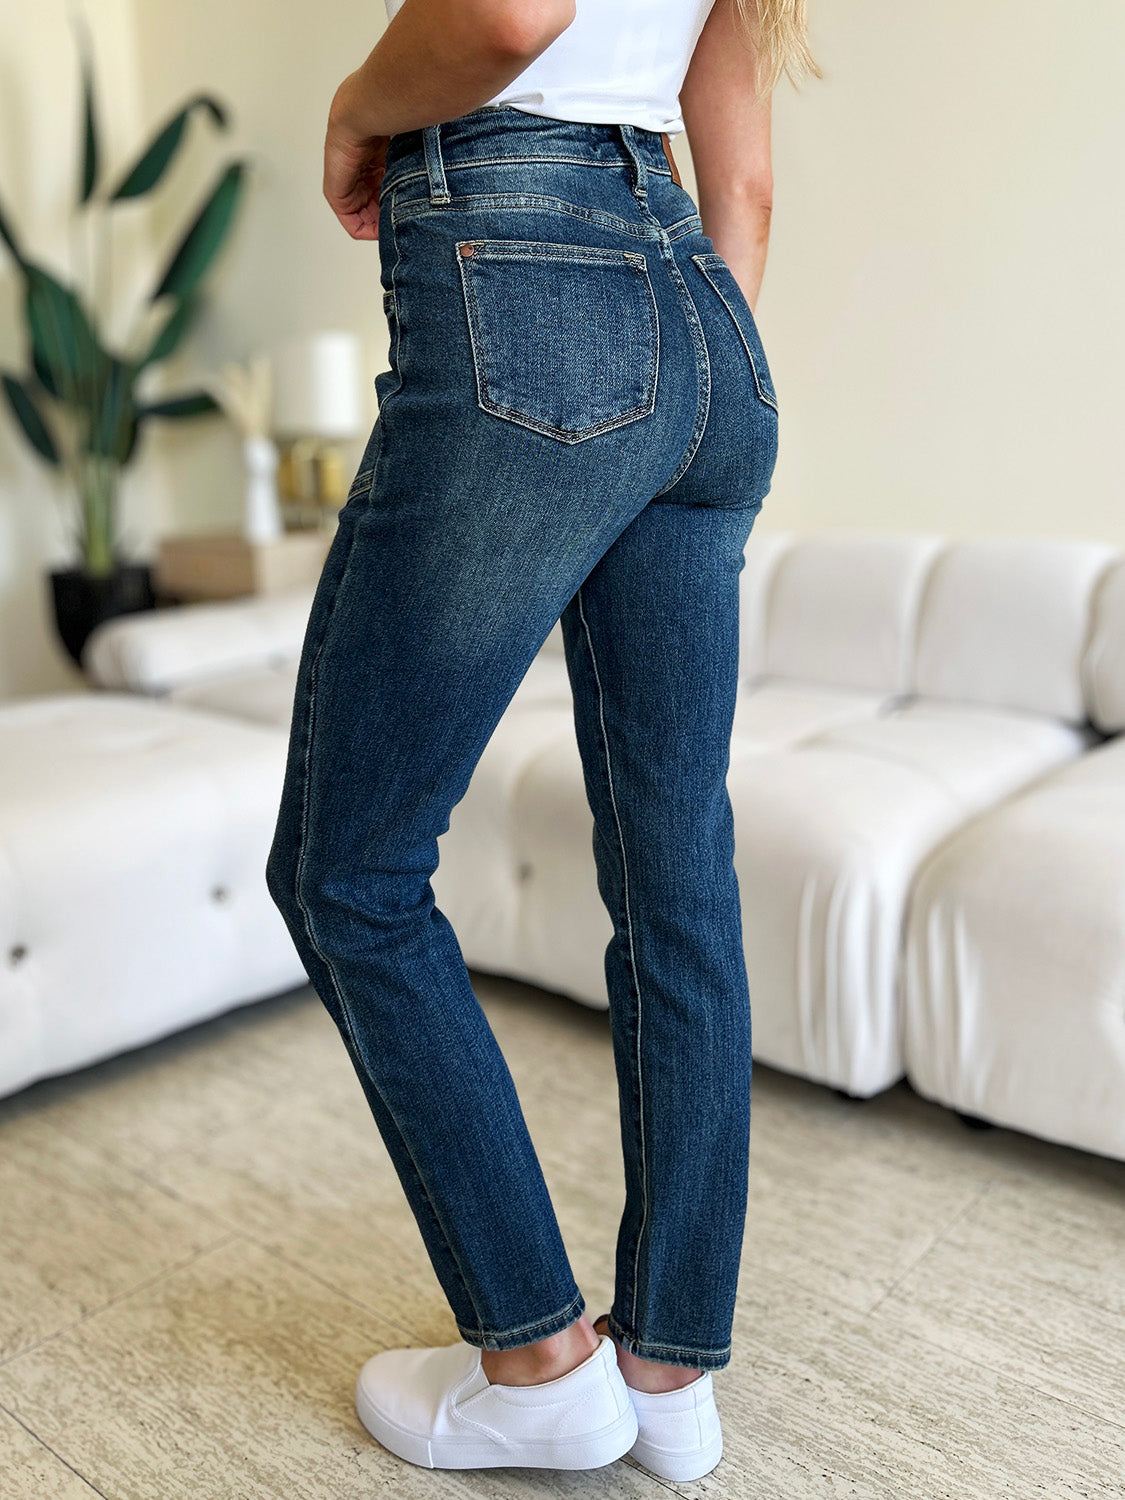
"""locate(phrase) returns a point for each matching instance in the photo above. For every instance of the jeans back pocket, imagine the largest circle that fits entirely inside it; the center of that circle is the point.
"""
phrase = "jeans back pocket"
(723, 283)
(564, 337)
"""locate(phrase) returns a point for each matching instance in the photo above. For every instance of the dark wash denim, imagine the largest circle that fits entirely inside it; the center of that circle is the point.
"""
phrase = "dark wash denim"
(578, 421)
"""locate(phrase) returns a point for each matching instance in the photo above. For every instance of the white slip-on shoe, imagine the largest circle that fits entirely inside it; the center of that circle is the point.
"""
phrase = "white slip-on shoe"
(679, 1436)
(437, 1408)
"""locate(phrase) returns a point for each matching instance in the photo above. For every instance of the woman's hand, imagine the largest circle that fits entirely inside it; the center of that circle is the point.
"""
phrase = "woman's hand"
(353, 166)
(437, 59)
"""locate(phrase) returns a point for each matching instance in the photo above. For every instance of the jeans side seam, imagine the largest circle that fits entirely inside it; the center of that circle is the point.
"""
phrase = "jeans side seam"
(397, 330)
(632, 946)
(310, 932)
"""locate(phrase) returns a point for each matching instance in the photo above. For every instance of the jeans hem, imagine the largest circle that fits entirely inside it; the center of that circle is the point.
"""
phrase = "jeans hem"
(527, 1333)
(669, 1354)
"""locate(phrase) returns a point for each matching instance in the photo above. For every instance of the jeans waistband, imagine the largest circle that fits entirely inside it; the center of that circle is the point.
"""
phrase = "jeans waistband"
(502, 133)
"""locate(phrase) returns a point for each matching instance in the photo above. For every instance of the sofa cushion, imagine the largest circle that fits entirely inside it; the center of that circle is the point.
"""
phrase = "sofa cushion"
(133, 899)
(828, 837)
(1104, 664)
(1015, 961)
(562, 927)
(553, 645)
(156, 650)
(1004, 622)
(771, 714)
(764, 550)
(842, 608)
(480, 874)
(546, 682)
(977, 754)
(264, 695)
(827, 840)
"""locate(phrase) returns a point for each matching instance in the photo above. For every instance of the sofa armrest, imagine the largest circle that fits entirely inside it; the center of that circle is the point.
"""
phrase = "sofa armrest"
(1103, 667)
(153, 651)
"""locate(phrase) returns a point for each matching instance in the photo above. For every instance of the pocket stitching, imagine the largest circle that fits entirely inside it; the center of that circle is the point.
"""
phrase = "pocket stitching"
(703, 261)
(547, 250)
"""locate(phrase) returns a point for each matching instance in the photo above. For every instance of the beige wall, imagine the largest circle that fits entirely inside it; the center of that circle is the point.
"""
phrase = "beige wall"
(289, 268)
(943, 307)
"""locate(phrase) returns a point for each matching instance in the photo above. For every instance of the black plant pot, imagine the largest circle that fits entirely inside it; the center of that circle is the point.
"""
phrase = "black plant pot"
(83, 600)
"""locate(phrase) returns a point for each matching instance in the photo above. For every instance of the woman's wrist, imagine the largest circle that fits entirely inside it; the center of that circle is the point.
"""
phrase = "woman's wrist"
(351, 114)
(738, 225)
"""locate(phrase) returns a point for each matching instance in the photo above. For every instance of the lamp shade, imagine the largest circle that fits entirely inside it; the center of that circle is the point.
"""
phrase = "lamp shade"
(318, 383)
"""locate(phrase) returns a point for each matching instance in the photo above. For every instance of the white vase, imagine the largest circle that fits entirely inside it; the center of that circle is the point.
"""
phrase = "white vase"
(261, 520)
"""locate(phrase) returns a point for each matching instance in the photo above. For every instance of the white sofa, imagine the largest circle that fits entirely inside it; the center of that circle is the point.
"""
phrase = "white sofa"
(132, 901)
(1014, 986)
(928, 823)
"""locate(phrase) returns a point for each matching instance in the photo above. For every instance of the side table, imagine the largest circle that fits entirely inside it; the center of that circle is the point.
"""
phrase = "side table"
(225, 565)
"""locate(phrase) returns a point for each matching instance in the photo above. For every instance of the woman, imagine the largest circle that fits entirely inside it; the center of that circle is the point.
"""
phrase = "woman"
(578, 421)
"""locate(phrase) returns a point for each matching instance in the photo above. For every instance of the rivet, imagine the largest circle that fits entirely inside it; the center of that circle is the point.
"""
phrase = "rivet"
(467, 250)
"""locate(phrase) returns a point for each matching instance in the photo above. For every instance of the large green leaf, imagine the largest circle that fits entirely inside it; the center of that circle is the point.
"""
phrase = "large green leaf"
(114, 416)
(129, 439)
(67, 356)
(194, 404)
(30, 418)
(8, 235)
(44, 374)
(154, 161)
(167, 340)
(201, 243)
(90, 152)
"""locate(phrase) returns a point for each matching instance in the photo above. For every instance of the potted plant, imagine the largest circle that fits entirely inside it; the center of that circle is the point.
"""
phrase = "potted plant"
(80, 405)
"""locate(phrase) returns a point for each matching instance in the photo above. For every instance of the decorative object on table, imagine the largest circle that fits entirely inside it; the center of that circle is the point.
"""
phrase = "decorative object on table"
(80, 408)
(317, 407)
(264, 558)
(244, 392)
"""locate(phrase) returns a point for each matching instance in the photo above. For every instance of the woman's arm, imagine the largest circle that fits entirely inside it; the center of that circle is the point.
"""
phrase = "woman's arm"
(728, 129)
(441, 58)
(436, 60)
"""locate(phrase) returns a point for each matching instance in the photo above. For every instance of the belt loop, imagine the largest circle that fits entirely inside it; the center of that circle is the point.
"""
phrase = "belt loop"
(435, 167)
(640, 168)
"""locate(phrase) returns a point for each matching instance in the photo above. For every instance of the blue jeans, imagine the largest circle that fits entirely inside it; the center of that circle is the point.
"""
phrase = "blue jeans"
(578, 421)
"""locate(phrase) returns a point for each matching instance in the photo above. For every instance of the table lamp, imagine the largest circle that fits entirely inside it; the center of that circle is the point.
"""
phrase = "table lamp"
(317, 408)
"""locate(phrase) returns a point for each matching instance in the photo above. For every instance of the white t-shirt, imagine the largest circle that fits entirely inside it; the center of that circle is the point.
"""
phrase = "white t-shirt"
(618, 62)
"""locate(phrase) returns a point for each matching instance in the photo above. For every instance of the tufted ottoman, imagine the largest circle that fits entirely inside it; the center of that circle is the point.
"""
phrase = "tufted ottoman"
(133, 900)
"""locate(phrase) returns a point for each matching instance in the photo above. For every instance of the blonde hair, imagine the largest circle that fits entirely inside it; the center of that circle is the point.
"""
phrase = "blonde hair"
(778, 32)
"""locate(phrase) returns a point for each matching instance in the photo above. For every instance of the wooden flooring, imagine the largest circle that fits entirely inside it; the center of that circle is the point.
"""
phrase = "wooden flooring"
(200, 1242)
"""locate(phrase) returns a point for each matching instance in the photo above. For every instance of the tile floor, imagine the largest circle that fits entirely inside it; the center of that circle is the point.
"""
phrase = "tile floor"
(201, 1241)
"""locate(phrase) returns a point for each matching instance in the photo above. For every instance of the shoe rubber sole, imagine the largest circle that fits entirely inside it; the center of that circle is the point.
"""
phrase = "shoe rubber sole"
(590, 1451)
(678, 1467)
